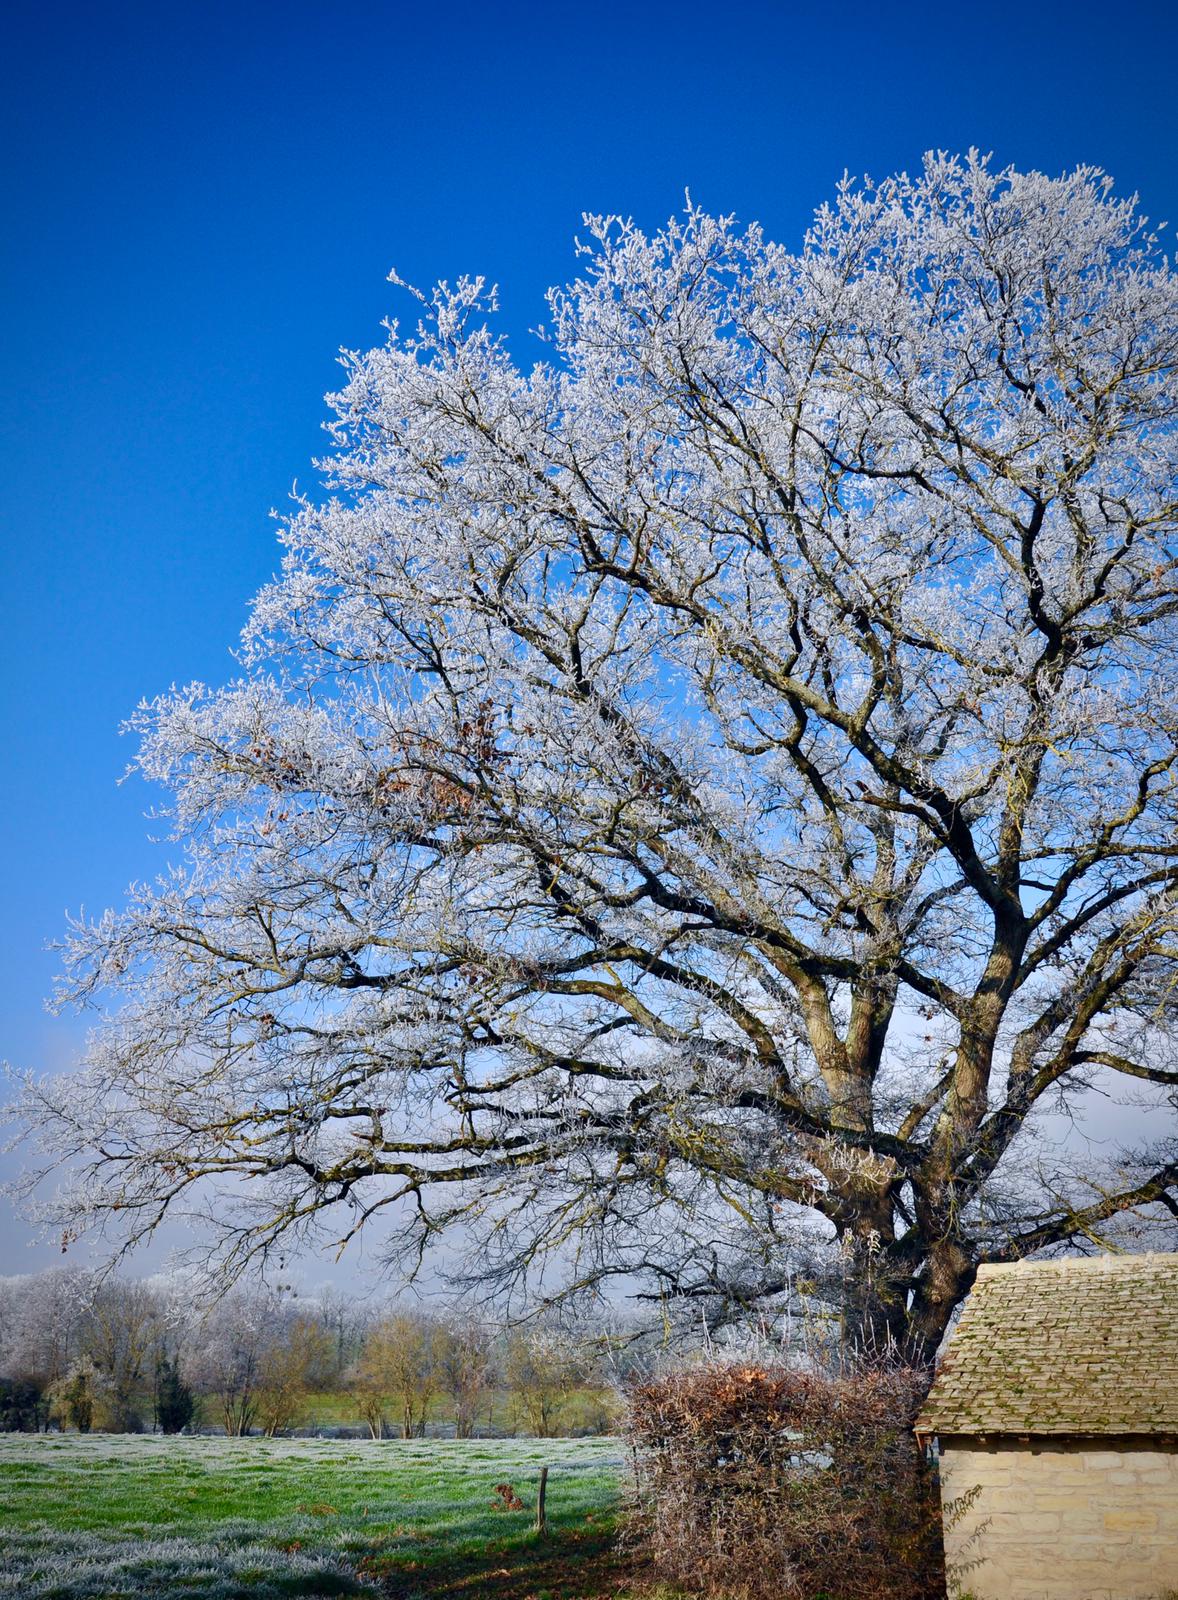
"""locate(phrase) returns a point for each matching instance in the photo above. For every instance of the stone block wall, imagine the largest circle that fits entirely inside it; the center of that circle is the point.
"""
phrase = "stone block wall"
(1061, 1519)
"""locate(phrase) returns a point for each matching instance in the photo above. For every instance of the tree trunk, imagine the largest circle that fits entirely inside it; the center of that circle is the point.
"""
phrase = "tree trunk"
(886, 1316)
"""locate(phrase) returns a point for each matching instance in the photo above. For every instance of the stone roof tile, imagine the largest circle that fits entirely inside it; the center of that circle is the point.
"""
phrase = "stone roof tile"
(1063, 1347)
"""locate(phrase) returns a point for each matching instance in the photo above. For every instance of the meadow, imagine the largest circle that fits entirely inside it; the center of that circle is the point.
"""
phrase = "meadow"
(109, 1517)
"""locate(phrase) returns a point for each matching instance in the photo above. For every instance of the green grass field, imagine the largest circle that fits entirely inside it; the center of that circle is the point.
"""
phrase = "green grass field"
(107, 1517)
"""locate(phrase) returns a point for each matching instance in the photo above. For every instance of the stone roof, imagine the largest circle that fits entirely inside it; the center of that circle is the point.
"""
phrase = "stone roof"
(1063, 1347)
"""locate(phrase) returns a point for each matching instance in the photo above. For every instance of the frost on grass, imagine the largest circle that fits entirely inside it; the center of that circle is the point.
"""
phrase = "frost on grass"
(216, 1518)
(45, 1564)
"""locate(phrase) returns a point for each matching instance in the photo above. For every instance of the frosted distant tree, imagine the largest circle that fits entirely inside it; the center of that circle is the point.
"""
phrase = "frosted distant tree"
(465, 1366)
(82, 1397)
(121, 1332)
(225, 1355)
(541, 1369)
(707, 795)
(43, 1323)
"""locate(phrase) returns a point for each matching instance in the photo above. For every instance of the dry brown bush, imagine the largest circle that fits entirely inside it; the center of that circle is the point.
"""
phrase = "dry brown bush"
(766, 1483)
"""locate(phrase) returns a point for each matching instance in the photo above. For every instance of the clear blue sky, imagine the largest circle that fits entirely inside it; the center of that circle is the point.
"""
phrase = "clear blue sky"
(200, 204)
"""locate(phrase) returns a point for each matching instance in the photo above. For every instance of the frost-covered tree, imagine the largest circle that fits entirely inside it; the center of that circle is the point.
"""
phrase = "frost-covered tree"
(707, 794)
(83, 1397)
(226, 1351)
(43, 1323)
(464, 1360)
(121, 1332)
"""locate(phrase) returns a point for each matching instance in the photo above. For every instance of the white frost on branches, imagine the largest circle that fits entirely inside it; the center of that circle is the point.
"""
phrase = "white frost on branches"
(720, 775)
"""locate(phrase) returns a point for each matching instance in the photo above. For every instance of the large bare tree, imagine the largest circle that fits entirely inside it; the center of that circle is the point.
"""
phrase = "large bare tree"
(705, 796)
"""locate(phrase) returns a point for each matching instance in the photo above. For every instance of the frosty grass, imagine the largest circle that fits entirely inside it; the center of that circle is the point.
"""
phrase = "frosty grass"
(111, 1517)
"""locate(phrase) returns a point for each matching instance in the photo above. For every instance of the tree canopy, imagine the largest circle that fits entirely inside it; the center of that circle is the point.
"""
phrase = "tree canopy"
(701, 799)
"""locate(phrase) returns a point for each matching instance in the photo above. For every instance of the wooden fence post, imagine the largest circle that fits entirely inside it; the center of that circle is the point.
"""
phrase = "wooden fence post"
(541, 1518)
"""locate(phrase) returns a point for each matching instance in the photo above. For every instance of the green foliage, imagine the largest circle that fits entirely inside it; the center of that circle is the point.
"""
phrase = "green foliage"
(175, 1405)
(22, 1405)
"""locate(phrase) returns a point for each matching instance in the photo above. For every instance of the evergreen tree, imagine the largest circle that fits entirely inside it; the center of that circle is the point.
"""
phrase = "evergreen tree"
(174, 1402)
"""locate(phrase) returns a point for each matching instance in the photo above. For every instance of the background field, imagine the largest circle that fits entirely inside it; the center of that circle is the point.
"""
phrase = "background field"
(106, 1517)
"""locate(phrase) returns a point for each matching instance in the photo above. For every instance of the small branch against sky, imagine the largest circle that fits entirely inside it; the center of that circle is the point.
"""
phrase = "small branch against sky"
(699, 798)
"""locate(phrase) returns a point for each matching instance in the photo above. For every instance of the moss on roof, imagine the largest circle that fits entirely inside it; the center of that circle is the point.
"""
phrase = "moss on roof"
(1063, 1347)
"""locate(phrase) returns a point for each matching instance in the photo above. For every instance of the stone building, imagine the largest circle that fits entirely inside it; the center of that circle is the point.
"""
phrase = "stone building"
(1056, 1412)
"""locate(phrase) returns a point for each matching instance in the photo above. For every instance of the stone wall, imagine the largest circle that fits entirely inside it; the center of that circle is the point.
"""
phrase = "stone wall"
(1060, 1519)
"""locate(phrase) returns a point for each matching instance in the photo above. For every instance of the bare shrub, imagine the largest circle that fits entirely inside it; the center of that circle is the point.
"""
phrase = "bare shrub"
(761, 1481)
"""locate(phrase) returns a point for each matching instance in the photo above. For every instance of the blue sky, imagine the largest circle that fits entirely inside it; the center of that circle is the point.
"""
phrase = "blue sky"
(201, 204)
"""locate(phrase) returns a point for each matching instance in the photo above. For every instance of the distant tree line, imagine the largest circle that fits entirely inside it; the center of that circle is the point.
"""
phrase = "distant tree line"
(95, 1352)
